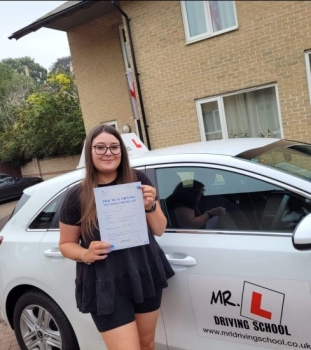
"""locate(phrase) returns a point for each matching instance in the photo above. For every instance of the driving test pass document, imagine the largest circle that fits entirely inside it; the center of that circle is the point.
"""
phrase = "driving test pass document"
(121, 215)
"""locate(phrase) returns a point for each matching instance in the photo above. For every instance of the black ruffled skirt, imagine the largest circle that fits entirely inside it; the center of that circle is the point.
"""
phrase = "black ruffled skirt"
(134, 272)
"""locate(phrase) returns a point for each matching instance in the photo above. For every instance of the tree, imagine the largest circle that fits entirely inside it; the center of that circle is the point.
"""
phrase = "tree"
(6, 74)
(5, 77)
(14, 88)
(25, 65)
(62, 65)
(49, 124)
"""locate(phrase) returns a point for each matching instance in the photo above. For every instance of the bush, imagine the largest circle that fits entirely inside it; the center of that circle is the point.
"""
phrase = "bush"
(48, 124)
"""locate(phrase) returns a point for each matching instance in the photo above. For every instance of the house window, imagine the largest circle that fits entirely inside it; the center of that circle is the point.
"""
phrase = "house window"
(308, 65)
(253, 113)
(203, 19)
(112, 123)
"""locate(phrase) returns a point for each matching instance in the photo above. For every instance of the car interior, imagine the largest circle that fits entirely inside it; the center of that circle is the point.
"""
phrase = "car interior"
(251, 204)
(48, 217)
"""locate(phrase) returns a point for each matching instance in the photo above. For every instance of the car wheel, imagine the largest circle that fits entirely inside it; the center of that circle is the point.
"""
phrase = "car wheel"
(40, 324)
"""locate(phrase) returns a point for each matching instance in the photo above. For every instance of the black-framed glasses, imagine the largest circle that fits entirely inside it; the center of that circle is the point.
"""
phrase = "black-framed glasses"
(100, 150)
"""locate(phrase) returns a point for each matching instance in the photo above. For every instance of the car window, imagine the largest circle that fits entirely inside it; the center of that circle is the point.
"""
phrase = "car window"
(22, 201)
(237, 202)
(284, 155)
(4, 179)
(45, 218)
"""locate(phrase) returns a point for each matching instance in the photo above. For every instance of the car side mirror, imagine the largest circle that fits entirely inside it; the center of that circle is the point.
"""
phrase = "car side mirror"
(302, 234)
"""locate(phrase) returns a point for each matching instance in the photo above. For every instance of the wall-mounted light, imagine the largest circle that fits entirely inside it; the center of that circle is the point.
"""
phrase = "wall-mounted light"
(126, 128)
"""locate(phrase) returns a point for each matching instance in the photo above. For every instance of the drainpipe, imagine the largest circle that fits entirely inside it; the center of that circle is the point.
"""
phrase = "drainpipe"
(127, 20)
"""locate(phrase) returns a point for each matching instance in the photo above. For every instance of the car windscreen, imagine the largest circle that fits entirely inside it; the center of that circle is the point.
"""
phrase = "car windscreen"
(288, 156)
(24, 198)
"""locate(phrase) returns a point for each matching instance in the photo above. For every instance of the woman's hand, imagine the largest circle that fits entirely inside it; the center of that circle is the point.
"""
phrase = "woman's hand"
(149, 195)
(97, 251)
(218, 211)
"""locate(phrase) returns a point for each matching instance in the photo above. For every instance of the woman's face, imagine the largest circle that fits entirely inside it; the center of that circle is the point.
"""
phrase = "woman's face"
(198, 193)
(108, 162)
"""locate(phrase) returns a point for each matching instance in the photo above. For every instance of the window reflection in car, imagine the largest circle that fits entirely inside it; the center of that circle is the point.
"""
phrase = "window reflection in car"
(287, 156)
(45, 218)
(6, 180)
(250, 204)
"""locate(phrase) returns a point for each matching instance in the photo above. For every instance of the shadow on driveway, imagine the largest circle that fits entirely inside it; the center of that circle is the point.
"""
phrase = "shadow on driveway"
(6, 209)
(3, 221)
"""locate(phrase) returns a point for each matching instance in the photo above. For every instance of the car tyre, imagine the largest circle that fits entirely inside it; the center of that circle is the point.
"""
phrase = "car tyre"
(40, 323)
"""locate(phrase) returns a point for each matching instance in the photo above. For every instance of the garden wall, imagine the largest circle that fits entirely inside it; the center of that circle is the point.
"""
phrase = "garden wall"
(48, 168)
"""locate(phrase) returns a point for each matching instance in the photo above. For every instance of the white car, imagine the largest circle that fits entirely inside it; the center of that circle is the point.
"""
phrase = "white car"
(240, 283)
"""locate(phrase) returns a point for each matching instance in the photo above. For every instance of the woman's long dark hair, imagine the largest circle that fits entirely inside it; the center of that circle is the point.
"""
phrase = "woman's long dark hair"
(125, 175)
(196, 185)
(185, 194)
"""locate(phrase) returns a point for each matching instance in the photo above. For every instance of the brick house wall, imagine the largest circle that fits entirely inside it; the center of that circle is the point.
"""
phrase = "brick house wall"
(268, 47)
(100, 74)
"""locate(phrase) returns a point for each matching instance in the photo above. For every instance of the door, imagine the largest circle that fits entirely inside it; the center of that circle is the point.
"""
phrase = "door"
(239, 282)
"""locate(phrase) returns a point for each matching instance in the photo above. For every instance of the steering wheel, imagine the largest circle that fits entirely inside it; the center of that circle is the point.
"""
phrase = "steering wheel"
(280, 211)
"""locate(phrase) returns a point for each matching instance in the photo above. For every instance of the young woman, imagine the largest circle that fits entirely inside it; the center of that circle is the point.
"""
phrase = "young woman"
(185, 203)
(121, 289)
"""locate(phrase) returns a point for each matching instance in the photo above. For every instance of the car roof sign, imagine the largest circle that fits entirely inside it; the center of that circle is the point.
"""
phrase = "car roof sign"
(133, 144)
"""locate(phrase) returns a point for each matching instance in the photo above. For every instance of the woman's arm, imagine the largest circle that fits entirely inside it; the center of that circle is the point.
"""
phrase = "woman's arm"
(156, 220)
(186, 218)
(69, 242)
(70, 248)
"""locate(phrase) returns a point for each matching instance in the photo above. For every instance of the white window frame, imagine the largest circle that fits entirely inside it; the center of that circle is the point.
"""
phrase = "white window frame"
(308, 64)
(191, 39)
(222, 116)
(112, 123)
(214, 121)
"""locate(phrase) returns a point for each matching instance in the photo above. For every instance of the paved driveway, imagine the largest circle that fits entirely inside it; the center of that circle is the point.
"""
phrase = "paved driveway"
(7, 337)
(5, 212)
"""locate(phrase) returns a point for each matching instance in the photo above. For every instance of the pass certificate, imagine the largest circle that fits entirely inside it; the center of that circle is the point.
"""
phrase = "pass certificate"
(121, 215)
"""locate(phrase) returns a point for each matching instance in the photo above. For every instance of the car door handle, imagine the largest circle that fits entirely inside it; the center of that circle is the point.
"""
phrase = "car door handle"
(53, 253)
(184, 261)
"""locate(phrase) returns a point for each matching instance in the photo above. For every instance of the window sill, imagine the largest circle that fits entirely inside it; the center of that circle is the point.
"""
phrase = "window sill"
(207, 36)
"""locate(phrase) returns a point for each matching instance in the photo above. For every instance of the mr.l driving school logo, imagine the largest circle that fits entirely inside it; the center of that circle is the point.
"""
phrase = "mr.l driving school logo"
(259, 304)
(262, 304)
(253, 310)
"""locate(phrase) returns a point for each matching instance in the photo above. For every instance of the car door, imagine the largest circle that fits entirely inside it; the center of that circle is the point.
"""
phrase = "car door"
(239, 282)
